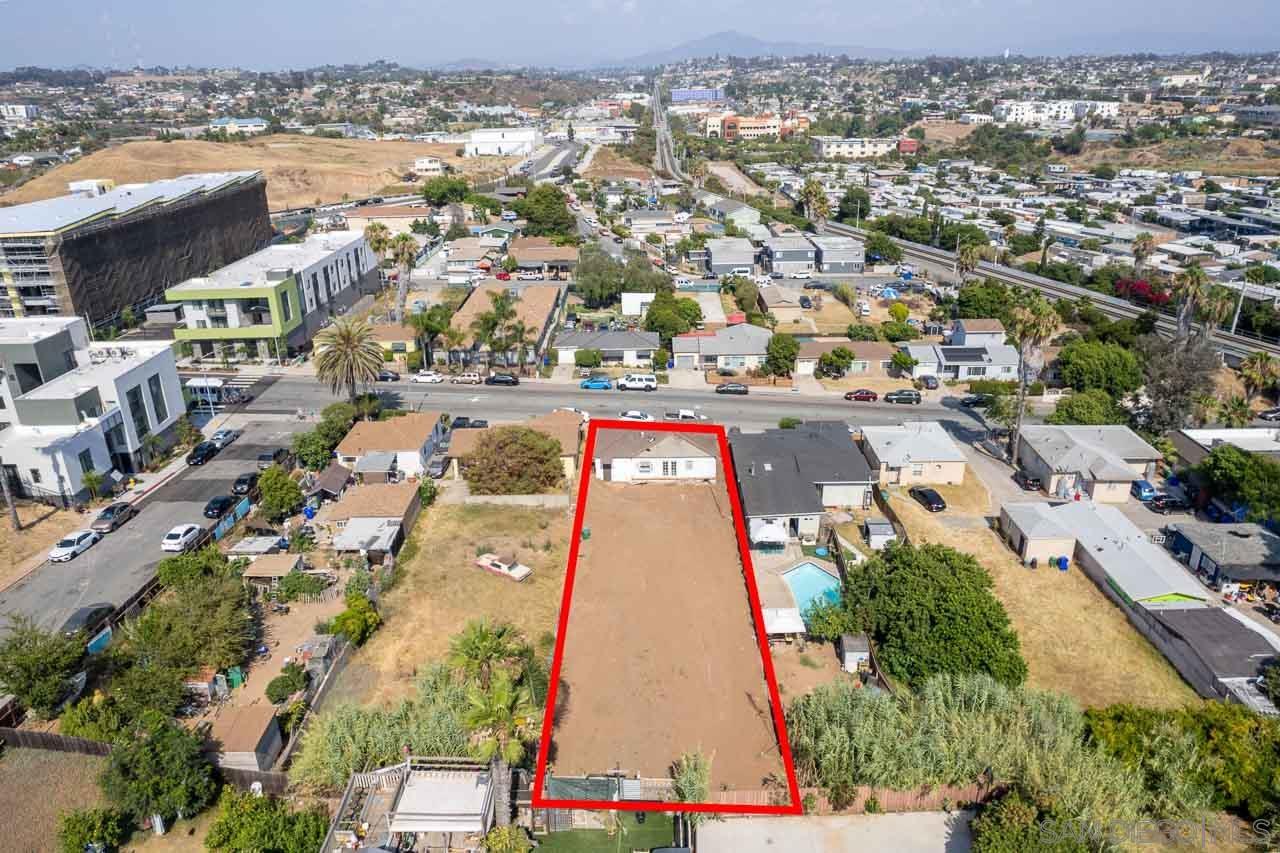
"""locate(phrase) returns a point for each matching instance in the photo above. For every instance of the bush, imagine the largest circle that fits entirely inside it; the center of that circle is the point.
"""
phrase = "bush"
(413, 361)
(290, 680)
(297, 584)
(588, 358)
(862, 332)
(427, 491)
(1016, 822)
(894, 332)
(358, 621)
(82, 829)
(36, 665)
(994, 387)
(358, 584)
(248, 824)
(789, 423)
(162, 771)
(513, 460)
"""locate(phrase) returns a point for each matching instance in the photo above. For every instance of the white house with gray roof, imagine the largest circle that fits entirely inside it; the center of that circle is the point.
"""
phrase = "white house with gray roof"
(988, 361)
(622, 347)
(738, 347)
(1099, 461)
(633, 456)
(916, 453)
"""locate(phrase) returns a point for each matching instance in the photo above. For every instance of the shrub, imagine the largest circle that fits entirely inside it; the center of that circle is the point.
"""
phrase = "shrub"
(297, 584)
(358, 621)
(36, 665)
(162, 771)
(427, 491)
(247, 823)
(513, 460)
(588, 358)
(895, 332)
(994, 387)
(862, 332)
(789, 423)
(83, 829)
(290, 680)
(358, 584)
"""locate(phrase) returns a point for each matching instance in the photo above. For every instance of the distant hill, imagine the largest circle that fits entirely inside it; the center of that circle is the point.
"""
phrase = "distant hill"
(733, 43)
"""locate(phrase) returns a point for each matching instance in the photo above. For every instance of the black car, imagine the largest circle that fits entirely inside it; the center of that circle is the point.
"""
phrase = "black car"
(1165, 504)
(219, 506)
(930, 382)
(87, 620)
(388, 376)
(1027, 482)
(928, 498)
(501, 379)
(904, 395)
(806, 302)
(245, 483)
(438, 466)
(202, 453)
(479, 423)
(976, 401)
(279, 456)
(460, 422)
(732, 388)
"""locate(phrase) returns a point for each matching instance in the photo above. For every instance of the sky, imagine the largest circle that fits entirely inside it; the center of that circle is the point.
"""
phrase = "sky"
(274, 35)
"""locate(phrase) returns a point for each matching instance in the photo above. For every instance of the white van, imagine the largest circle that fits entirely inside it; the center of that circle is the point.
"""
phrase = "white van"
(864, 309)
(467, 379)
(740, 271)
(638, 382)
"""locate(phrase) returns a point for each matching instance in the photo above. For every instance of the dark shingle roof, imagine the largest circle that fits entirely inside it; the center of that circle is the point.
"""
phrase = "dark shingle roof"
(1229, 648)
(778, 469)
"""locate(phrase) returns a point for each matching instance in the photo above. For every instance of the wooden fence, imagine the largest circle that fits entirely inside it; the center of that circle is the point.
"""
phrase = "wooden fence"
(888, 800)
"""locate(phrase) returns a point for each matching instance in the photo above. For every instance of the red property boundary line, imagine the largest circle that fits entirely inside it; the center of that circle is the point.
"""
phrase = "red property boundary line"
(753, 595)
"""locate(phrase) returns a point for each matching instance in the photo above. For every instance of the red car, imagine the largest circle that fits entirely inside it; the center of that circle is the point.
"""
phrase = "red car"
(862, 395)
(502, 276)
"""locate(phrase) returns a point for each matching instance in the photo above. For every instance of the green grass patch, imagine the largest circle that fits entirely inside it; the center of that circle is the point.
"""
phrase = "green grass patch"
(656, 831)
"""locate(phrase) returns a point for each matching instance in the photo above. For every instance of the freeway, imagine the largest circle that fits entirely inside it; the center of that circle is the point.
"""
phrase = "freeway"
(1234, 346)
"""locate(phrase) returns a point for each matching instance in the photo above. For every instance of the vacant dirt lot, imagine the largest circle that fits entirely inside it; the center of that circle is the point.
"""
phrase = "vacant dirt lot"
(299, 169)
(661, 656)
(607, 164)
(1215, 156)
(1074, 639)
(440, 589)
(36, 786)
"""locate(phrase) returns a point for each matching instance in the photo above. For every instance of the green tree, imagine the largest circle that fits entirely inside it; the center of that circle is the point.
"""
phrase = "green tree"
(895, 332)
(1031, 324)
(546, 213)
(1191, 288)
(862, 332)
(836, 362)
(588, 358)
(903, 362)
(280, 494)
(1095, 407)
(598, 276)
(291, 679)
(501, 719)
(1177, 374)
(247, 823)
(358, 622)
(83, 829)
(347, 356)
(161, 772)
(444, 190)
(145, 689)
(483, 648)
(513, 460)
(92, 482)
(313, 450)
(780, 355)
(1016, 822)
(404, 253)
(880, 246)
(1246, 478)
(36, 665)
(1259, 370)
(854, 207)
(1086, 365)
(899, 312)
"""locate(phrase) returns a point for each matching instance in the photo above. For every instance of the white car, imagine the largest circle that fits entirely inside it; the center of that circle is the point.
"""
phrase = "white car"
(73, 545)
(529, 276)
(428, 376)
(180, 538)
(802, 274)
(633, 415)
(223, 437)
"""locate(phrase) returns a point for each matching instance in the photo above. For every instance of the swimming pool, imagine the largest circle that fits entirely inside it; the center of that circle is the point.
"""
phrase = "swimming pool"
(810, 584)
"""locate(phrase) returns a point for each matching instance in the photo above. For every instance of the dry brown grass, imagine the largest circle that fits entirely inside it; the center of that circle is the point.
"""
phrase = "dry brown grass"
(184, 836)
(606, 164)
(36, 786)
(801, 672)
(833, 319)
(1214, 156)
(299, 169)
(440, 588)
(1074, 639)
(42, 526)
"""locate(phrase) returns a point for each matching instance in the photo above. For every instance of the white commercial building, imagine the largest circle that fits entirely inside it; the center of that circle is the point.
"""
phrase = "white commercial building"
(19, 112)
(503, 142)
(428, 166)
(852, 148)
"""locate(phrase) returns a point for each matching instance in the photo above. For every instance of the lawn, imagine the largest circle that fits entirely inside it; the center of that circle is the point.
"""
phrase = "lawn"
(833, 319)
(439, 588)
(1074, 639)
(36, 786)
(656, 831)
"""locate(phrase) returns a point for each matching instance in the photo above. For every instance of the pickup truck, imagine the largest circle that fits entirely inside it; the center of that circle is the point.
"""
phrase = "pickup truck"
(684, 415)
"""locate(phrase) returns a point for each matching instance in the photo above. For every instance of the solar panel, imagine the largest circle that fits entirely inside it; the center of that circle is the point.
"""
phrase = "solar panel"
(953, 354)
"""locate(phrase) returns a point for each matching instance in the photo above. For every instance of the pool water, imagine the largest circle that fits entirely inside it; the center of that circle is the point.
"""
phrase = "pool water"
(810, 584)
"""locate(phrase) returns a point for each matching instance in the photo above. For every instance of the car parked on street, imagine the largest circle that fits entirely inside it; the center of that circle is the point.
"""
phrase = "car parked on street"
(502, 275)
(732, 388)
(596, 383)
(202, 453)
(466, 379)
(634, 415)
(906, 396)
(428, 377)
(218, 507)
(928, 498)
(181, 538)
(223, 437)
(73, 545)
(929, 382)
(245, 483)
(976, 401)
(437, 467)
(1270, 415)
(87, 620)
(806, 302)
(112, 516)
(862, 395)
(279, 456)
(501, 379)
(388, 376)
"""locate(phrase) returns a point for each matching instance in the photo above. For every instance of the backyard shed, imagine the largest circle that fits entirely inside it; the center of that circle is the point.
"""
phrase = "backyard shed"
(265, 572)
(879, 533)
(246, 738)
(854, 651)
(783, 622)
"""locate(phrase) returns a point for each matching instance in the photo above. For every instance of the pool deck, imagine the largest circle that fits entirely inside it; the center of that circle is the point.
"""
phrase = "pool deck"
(774, 591)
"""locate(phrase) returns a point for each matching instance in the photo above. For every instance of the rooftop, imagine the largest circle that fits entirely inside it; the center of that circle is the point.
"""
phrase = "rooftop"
(1102, 452)
(779, 470)
(918, 441)
(373, 500)
(105, 365)
(15, 330)
(404, 433)
(1230, 648)
(1245, 551)
(266, 268)
(1253, 439)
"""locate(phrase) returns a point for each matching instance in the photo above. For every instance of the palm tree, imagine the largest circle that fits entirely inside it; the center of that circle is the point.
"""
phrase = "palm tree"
(1144, 245)
(523, 338)
(151, 445)
(1259, 371)
(378, 237)
(698, 171)
(483, 648)
(968, 256)
(1205, 410)
(430, 325)
(404, 251)
(1218, 305)
(453, 339)
(347, 356)
(500, 719)
(812, 198)
(1032, 324)
(1191, 286)
(1235, 412)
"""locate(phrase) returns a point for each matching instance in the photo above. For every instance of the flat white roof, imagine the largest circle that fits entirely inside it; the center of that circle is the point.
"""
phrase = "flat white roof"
(95, 374)
(1253, 439)
(442, 801)
(919, 441)
(14, 330)
(251, 272)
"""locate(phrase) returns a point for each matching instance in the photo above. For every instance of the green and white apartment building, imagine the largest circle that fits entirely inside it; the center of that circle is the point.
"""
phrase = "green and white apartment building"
(273, 302)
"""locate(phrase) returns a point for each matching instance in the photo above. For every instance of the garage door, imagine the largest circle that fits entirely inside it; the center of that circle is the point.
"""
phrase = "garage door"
(689, 361)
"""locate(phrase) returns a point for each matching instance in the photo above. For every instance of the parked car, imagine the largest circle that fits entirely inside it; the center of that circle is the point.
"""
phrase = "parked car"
(460, 422)
(1270, 414)
(73, 545)
(1027, 482)
(976, 401)
(929, 382)
(502, 275)
(928, 498)
(479, 423)
(862, 395)
(223, 437)
(501, 379)
(202, 453)
(1165, 504)
(466, 379)
(279, 456)
(776, 274)
(180, 538)
(388, 376)
(906, 396)
(683, 415)
(596, 383)
(245, 483)
(437, 467)
(732, 388)
(87, 620)
(806, 302)
(633, 415)
(429, 377)
(802, 274)
(218, 507)
(112, 516)
(529, 276)
(638, 382)
(1142, 490)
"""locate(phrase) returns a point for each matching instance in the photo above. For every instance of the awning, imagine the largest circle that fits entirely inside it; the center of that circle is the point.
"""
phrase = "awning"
(783, 620)
(765, 532)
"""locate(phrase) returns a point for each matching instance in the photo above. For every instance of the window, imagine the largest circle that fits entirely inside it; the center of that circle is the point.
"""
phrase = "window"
(668, 468)
(917, 470)
(399, 346)
(286, 309)
(157, 398)
(35, 475)
(977, 371)
(643, 468)
(86, 460)
(137, 411)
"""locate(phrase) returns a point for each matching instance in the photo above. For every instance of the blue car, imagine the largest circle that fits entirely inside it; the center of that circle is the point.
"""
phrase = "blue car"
(1142, 490)
(596, 383)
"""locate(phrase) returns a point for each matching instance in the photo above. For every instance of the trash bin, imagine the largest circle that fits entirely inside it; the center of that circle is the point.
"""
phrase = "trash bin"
(586, 533)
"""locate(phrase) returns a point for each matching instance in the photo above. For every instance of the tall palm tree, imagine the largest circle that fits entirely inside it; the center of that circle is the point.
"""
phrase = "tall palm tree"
(1032, 324)
(1191, 286)
(1218, 305)
(968, 256)
(429, 325)
(378, 237)
(453, 339)
(348, 356)
(1259, 370)
(500, 720)
(1144, 245)
(1235, 412)
(813, 198)
(404, 251)
(1205, 410)
(698, 171)
(522, 338)
(483, 648)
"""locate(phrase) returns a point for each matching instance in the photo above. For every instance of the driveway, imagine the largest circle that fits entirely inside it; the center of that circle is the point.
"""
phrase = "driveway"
(712, 307)
(919, 832)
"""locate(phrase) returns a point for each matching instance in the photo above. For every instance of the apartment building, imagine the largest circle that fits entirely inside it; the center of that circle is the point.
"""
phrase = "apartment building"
(278, 297)
(72, 407)
(238, 126)
(428, 167)
(104, 248)
(696, 95)
(852, 148)
(503, 142)
(1053, 112)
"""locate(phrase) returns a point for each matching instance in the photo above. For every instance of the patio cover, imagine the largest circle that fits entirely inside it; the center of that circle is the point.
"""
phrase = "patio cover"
(764, 532)
(783, 620)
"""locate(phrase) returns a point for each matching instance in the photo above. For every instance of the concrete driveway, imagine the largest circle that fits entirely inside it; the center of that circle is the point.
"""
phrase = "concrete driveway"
(920, 832)
(712, 308)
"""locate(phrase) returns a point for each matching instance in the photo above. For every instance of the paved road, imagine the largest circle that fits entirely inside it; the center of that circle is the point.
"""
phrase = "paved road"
(560, 155)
